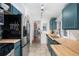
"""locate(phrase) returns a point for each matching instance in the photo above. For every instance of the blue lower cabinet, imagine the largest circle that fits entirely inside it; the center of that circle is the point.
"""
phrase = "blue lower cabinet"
(49, 42)
(17, 49)
(51, 50)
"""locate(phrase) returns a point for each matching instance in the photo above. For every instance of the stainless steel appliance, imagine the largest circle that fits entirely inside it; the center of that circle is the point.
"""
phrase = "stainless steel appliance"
(26, 39)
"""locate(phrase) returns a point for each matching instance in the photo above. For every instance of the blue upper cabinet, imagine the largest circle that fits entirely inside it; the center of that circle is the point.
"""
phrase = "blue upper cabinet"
(13, 10)
(52, 24)
(70, 17)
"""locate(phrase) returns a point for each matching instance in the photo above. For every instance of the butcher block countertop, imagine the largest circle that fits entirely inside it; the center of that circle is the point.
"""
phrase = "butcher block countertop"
(67, 47)
(60, 50)
(9, 40)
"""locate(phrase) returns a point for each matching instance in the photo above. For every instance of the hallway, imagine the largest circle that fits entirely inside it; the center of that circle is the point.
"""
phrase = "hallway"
(38, 50)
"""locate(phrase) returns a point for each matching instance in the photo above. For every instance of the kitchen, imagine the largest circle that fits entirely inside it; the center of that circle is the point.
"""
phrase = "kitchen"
(25, 32)
(11, 42)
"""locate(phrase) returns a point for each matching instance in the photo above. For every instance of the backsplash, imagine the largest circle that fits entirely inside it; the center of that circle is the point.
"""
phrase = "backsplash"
(75, 34)
(72, 34)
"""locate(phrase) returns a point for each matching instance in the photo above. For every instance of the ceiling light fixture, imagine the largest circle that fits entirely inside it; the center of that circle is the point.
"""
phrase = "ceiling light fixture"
(42, 10)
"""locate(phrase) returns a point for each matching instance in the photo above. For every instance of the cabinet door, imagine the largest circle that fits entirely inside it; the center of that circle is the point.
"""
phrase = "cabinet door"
(11, 53)
(17, 49)
(69, 16)
(15, 11)
(53, 24)
(12, 9)
(51, 51)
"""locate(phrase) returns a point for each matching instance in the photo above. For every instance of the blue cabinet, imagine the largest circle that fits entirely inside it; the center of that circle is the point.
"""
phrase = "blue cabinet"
(49, 42)
(70, 18)
(13, 10)
(17, 49)
(52, 24)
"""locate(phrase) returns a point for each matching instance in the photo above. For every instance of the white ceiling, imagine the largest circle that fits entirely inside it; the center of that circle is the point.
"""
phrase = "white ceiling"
(51, 10)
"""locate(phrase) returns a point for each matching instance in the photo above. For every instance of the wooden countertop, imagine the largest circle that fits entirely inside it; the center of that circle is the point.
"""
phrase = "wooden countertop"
(61, 39)
(9, 40)
(71, 47)
(55, 37)
(60, 50)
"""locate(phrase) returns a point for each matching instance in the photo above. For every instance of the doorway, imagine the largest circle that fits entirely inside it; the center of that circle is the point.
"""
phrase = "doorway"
(37, 32)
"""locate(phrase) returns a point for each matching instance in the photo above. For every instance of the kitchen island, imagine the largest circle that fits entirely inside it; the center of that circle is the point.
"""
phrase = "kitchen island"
(10, 47)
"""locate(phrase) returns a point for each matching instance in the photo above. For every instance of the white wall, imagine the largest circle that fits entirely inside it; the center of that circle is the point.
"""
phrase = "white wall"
(73, 34)
(43, 33)
(31, 30)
